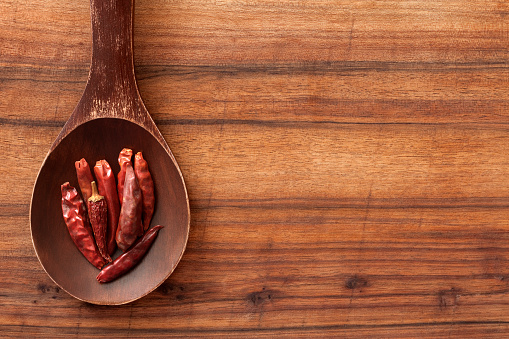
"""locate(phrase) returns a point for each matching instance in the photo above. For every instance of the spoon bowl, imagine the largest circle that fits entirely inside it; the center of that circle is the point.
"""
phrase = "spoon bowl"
(109, 117)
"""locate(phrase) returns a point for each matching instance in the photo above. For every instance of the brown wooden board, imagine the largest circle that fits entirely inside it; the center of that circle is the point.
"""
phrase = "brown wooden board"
(346, 162)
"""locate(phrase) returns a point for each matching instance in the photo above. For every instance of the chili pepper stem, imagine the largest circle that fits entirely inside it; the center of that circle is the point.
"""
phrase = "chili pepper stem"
(95, 197)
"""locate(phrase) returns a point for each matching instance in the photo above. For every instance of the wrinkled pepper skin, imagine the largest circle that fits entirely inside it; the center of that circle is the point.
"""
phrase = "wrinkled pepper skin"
(75, 217)
(125, 262)
(123, 158)
(85, 178)
(108, 188)
(130, 224)
(98, 216)
(147, 188)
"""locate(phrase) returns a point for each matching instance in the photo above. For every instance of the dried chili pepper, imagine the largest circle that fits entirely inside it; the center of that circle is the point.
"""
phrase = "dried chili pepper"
(123, 158)
(98, 215)
(147, 188)
(108, 188)
(85, 178)
(129, 259)
(75, 217)
(129, 222)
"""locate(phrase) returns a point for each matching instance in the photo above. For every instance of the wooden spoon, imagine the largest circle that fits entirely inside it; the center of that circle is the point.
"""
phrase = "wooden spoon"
(110, 116)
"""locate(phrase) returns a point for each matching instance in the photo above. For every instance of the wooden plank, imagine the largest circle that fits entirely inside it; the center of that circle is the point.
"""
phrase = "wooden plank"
(363, 272)
(214, 32)
(281, 95)
(352, 161)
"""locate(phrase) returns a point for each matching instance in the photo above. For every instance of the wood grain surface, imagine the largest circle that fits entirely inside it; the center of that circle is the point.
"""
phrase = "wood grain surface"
(347, 165)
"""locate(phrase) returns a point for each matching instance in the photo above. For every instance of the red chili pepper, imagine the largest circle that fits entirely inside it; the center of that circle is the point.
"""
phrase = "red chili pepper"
(108, 188)
(129, 259)
(85, 178)
(75, 217)
(147, 188)
(98, 215)
(129, 222)
(123, 158)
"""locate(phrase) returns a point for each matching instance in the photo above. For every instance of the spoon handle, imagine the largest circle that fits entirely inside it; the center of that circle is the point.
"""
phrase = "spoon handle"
(111, 90)
(112, 69)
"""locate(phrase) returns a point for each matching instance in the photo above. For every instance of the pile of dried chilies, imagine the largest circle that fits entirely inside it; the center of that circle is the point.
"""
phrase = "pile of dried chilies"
(112, 215)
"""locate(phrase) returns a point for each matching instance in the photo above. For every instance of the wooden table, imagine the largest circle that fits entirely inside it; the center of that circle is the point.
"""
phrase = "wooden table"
(347, 164)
